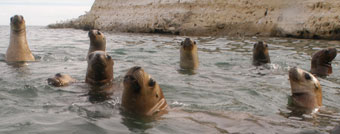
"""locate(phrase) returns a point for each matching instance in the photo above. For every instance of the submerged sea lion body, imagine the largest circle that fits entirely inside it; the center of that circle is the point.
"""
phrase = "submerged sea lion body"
(60, 80)
(142, 94)
(321, 64)
(306, 89)
(18, 49)
(97, 41)
(260, 54)
(188, 54)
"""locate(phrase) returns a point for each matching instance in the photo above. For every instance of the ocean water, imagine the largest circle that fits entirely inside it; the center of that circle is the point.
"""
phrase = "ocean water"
(227, 94)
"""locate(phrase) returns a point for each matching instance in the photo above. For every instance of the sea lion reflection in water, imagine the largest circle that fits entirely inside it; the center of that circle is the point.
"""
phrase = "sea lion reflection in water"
(306, 91)
(142, 95)
(18, 50)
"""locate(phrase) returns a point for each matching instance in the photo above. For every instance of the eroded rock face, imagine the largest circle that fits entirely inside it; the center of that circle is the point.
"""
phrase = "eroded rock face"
(304, 19)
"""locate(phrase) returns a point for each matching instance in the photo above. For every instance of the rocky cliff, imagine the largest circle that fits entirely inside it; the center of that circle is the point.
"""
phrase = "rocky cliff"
(293, 18)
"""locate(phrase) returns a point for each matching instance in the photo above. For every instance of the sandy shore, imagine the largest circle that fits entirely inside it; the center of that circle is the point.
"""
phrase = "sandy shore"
(289, 18)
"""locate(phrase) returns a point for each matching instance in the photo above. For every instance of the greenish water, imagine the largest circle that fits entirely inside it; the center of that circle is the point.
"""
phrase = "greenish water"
(225, 95)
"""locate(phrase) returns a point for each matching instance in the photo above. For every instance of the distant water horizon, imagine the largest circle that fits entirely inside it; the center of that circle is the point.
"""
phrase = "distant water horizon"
(42, 12)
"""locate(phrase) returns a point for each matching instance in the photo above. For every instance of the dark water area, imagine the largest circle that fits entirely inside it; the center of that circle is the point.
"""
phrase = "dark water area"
(227, 94)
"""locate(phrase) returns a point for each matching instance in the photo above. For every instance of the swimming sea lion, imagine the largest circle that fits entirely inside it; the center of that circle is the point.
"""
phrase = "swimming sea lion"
(99, 68)
(142, 94)
(306, 89)
(260, 54)
(18, 49)
(97, 41)
(321, 64)
(60, 80)
(189, 55)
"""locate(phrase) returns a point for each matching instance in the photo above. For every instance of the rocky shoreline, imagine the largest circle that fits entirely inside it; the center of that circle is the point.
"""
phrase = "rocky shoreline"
(315, 19)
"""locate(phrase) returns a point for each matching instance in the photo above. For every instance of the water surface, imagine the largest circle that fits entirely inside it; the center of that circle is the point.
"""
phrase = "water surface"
(225, 95)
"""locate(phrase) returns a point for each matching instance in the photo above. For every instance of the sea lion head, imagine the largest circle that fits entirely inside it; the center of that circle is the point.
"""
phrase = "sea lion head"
(97, 41)
(18, 23)
(60, 80)
(322, 62)
(188, 54)
(188, 44)
(260, 53)
(99, 68)
(142, 94)
(306, 89)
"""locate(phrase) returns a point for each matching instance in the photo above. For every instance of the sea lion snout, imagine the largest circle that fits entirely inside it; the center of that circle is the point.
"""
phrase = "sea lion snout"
(17, 19)
(94, 33)
(188, 43)
(293, 74)
(331, 54)
(54, 82)
(136, 68)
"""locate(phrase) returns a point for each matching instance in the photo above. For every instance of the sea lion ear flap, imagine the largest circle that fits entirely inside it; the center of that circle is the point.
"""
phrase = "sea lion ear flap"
(316, 86)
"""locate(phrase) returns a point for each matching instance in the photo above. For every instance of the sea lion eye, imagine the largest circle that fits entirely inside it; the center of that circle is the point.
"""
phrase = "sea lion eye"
(195, 42)
(98, 33)
(152, 82)
(307, 76)
(109, 57)
(255, 45)
(266, 45)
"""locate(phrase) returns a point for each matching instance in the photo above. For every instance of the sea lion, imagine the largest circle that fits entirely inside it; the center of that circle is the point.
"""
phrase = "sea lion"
(97, 41)
(18, 49)
(99, 68)
(306, 90)
(60, 80)
(260, 54)
(189, 55)
(142, 94)
(321, 64)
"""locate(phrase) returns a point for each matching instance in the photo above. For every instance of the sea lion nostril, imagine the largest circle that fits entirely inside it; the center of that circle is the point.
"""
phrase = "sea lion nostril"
(58, 75)
(136, 68)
